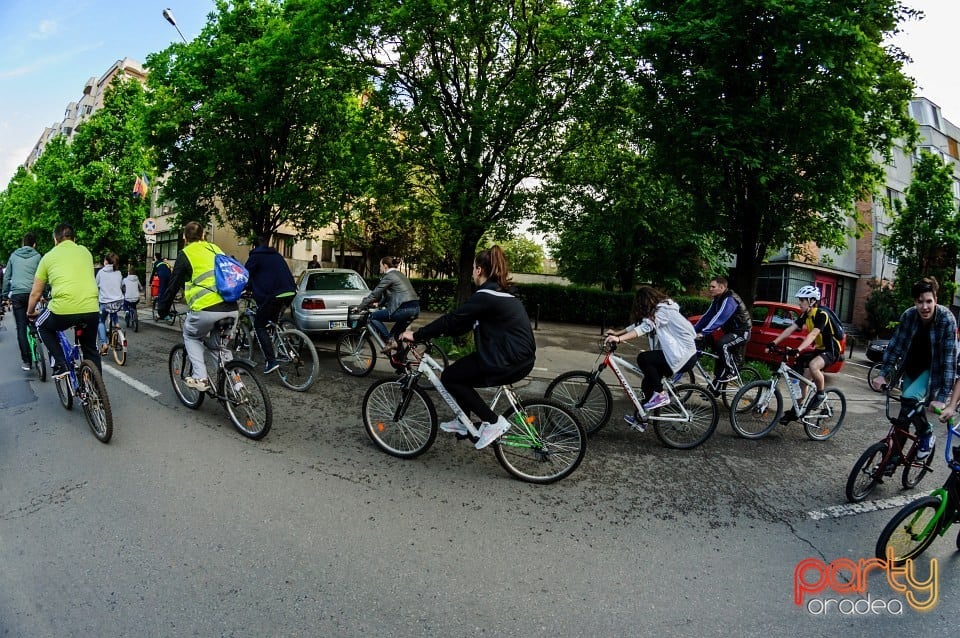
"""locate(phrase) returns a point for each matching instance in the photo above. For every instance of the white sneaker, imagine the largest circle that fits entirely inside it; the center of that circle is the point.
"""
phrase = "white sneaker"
(490, 432)
(658, 400)
(201, 385)
(454, 427)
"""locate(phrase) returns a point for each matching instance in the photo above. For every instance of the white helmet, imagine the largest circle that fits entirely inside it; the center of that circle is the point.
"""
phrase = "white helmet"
(809, 292)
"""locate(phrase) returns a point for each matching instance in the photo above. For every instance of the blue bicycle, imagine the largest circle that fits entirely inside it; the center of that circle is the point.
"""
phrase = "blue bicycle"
(84, 381)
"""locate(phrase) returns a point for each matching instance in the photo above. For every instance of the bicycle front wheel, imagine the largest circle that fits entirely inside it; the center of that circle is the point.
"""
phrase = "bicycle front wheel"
(910, 532)
(247, 401)
(589, 399)
(299, 362)
(828, 416)
(118, 348)
(914, 470)
(872, 374)
(400, 420)
(730, 388)
(356, 354)
(39, 359)
(180, 369)
(689, 424)
(96, 403)
(758, 406)
(545, 443)
(866, 472)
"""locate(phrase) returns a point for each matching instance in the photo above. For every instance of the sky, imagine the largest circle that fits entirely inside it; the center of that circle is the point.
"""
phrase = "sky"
(49, 48)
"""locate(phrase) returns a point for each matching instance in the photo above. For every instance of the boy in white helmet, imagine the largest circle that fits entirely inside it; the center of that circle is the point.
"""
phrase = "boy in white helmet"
(826, 350)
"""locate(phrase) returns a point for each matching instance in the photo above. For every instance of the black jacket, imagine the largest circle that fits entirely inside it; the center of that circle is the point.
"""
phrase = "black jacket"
(501, 328)
(269, 274)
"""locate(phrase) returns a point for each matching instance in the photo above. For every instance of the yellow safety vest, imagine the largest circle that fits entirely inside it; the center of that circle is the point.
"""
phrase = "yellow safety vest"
(201, 291)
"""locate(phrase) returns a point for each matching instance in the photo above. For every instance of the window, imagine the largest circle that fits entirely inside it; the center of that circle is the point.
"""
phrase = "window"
(925, 113)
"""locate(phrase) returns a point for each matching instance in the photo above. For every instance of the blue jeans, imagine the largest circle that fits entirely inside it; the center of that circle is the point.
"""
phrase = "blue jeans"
(914, 391)
(403, 316)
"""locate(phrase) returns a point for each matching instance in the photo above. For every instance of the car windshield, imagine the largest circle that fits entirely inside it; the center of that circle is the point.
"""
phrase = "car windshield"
(335, 281)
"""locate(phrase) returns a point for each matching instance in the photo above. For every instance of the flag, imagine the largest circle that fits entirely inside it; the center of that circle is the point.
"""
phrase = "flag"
(140, 186)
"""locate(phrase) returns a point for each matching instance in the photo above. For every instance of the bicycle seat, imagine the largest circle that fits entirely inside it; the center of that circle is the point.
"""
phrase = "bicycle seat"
(224, 325)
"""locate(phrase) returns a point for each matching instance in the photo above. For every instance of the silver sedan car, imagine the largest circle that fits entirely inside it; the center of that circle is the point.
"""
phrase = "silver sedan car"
(323, 296)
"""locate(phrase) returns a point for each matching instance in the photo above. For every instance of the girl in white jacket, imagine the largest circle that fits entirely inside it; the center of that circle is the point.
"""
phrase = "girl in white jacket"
(653, 311)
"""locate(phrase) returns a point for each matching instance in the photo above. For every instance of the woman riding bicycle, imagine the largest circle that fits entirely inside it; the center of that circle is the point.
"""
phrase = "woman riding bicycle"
(505, 347)
(399, 300)
(110, 287)
(653, 311)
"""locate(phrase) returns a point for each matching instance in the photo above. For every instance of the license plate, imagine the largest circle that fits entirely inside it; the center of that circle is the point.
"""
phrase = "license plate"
(338, 324)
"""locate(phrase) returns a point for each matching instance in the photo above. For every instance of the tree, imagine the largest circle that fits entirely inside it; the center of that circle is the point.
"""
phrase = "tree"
(481, 91)
(925, 233)
(770, 113)
(522, 252)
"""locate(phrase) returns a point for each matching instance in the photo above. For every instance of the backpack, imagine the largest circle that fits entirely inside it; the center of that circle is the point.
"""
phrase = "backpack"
(836, 325)
(230, 277)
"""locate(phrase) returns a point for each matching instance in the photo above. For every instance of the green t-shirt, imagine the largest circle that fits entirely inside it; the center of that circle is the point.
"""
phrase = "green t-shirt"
(68, 268)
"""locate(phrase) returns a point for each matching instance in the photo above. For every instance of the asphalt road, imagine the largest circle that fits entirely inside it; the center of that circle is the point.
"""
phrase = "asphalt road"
(180, 526)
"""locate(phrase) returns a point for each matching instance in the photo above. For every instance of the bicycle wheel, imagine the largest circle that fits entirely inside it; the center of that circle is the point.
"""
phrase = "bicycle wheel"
(63, 391)
(765, 409)
(828, 418)
(400, 420)
(96, 402)
(356, 354)
(590, 402)
(906, 534)
(545, 444)
(691, 423)
(135, 318)
(436, 353)
(914, 470)
(872, 374)
(302, 365)
(117, 347)
(730, 388)
(867, 472)
(39, 359)
(243, 341)
(181, 368)
(247, 401)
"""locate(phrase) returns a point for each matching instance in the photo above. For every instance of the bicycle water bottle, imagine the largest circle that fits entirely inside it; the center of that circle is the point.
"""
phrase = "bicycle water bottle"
(794, 388)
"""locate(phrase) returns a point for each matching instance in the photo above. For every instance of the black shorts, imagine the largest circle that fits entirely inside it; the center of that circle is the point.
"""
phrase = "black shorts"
(803, 360)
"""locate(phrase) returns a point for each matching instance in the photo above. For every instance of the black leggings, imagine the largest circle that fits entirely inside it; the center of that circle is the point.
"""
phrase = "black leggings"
(654, 367)
(463, 375)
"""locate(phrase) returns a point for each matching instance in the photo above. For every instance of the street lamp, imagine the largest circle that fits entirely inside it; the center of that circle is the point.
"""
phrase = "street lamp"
(168, 14)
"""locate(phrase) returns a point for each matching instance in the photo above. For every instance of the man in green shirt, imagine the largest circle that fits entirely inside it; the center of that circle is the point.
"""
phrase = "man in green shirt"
(68, 269)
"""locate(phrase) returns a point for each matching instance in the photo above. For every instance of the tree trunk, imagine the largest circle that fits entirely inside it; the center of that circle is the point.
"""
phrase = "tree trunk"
(468, 248)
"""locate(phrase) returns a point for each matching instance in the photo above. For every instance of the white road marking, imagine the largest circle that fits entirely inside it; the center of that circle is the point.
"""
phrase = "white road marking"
(849, 509)
(130, 381)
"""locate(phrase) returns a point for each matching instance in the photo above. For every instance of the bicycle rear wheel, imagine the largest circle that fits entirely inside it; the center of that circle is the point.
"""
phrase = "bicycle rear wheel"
(589, 400)
(96, 403)
(302, 365)
(545, 444)
(757, 408)
(828, 418)
(866, 472)
(118, 347)
(180, 369)
(696, 418)
(356, 354)
(247, 401)
(135, 318)
(905, 534)
(436, 353)
(399, 419)
(39, 358)
(914, 470)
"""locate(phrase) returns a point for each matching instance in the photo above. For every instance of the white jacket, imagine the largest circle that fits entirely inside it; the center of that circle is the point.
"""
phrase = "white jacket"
(675, 333)
(109, 282)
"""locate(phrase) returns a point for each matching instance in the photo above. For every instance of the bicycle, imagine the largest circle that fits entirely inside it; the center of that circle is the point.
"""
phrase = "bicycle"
(237, 388)
(357, 350)
(755, 419)
(687, 421)
(294, 350)
(725, 390)
(912, 530)
(170, 319)
(84, 381)
(130, 315)
(545, 444)
(116, 340)
(38, 357)
(883, 458)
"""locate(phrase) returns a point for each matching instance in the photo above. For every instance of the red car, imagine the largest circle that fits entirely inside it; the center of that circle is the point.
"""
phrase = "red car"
(770, 318)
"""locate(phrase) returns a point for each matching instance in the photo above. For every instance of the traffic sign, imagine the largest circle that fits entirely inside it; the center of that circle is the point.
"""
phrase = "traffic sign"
(149, 226)
(150, 239)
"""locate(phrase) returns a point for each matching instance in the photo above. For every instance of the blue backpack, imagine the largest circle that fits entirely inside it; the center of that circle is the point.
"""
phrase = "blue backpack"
(230, 276)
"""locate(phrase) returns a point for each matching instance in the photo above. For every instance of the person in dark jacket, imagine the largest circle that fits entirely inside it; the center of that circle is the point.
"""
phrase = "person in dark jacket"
(505, 347)
(273, 287)
(728, 313)
(398, 300)
(17, 283)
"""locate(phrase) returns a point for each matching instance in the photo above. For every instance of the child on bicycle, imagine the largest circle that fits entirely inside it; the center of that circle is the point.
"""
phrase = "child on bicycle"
(653, 311)
(132, 288)
(110, 287)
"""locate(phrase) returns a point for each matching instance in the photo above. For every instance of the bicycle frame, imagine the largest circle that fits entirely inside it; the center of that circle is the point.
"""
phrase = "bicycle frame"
(617, 364)
(783, 375)
(73, 355)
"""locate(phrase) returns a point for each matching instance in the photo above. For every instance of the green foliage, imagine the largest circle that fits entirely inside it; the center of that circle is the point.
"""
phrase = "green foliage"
(523, 253)
(883, 309)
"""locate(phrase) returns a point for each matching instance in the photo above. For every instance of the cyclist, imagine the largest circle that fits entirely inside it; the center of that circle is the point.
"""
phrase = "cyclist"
(131, 290)
(161, 271)
(925, 345)
(110, 286)
(826, 350)
(273, 286)
(505, 347)
(728, 313)
(653, 311)
(17, 282)
(68, 268)
(194, 271)
(401, 302)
